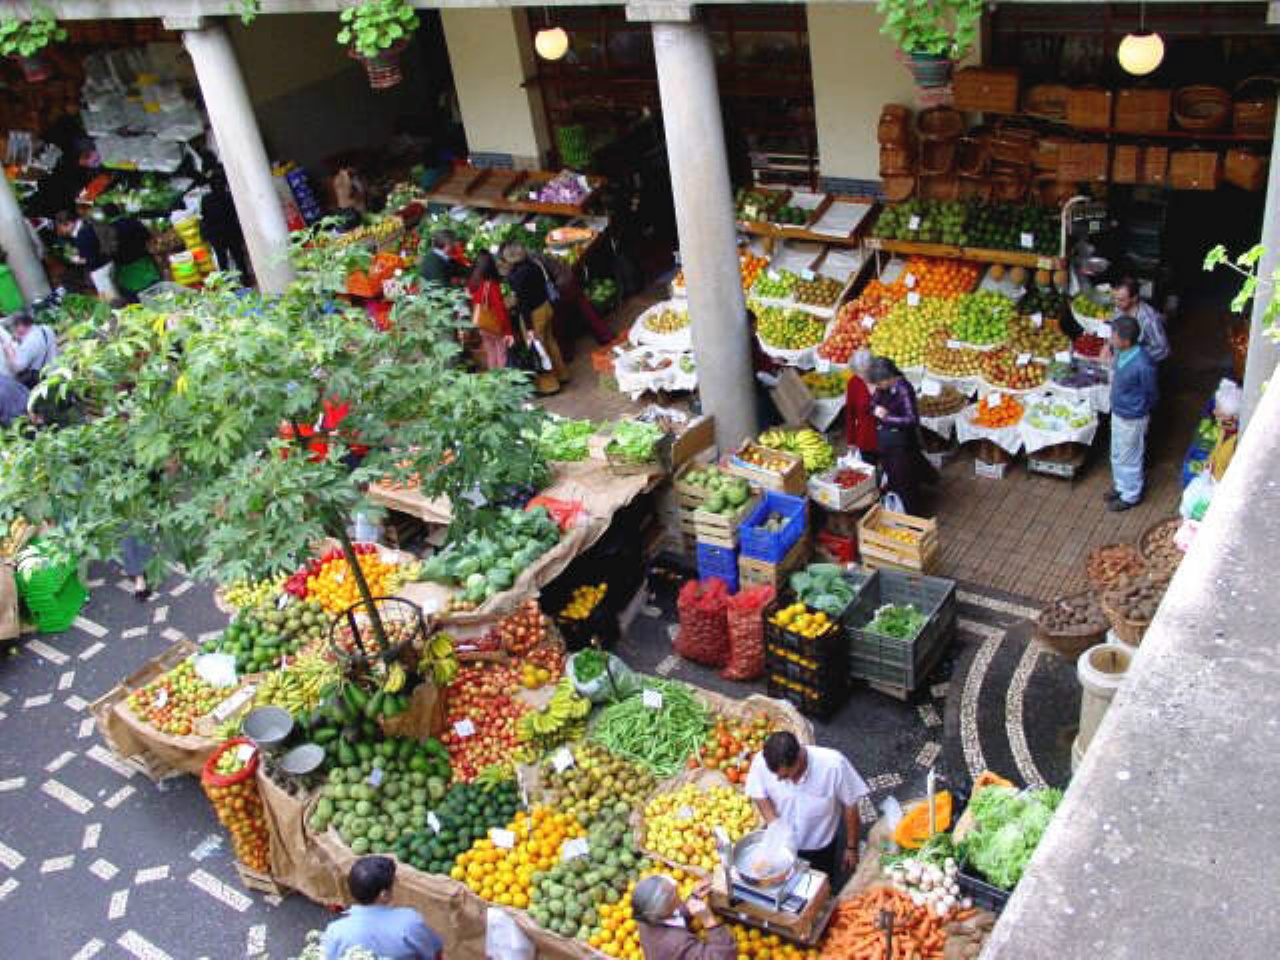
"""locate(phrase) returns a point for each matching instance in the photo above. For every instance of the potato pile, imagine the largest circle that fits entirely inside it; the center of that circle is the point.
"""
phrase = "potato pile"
(1136, 601)
(1079, 612)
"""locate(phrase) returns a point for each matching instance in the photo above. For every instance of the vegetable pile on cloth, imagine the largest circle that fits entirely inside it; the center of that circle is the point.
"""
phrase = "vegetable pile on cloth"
(1008, 826)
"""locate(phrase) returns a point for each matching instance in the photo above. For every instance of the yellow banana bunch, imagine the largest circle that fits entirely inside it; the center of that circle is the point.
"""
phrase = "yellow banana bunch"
(563, 719)
(395, 679)
(300, 687)
(439, 661)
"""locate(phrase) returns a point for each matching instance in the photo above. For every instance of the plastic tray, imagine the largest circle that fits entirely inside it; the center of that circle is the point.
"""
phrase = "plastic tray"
(891, 660)
(983, 894)
(761, 544)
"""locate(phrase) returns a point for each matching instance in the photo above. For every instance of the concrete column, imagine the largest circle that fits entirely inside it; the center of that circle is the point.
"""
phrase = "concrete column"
(704, 218)
(1263, 350)
(20, 252)
(266, 234)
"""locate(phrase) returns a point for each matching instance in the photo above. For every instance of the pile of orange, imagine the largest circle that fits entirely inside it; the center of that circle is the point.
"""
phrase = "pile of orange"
(335, 587)
(504, 876)
(1007, 413)
(939, 278)
(749, 266)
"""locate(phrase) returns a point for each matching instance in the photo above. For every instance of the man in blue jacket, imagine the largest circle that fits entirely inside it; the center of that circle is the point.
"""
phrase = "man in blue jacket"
(1133, 396)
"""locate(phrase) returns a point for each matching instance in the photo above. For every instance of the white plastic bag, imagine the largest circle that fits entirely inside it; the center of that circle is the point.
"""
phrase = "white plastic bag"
(775, 852)
(504, 940)
(1197, 496)
(1227, 400)
(893, 503)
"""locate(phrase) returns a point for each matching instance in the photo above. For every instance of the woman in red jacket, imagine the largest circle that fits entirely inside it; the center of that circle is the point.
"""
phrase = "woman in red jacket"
(859, 421)
(488, 311)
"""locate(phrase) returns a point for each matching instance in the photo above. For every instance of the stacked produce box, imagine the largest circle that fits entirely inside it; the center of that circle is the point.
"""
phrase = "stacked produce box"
(899, 627)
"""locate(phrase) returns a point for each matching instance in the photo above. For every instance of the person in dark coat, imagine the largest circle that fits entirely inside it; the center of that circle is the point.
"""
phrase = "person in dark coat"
(439, 264)
(220, 225)
(898, 434)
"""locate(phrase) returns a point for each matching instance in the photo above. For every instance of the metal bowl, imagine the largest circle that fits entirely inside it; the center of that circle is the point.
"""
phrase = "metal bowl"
(1095, 266)
(302, 760)
(761, 875)
(267, 726)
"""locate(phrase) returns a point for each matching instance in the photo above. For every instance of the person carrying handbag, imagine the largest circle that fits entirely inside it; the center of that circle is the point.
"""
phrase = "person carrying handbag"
(489, 311)
(531, 287)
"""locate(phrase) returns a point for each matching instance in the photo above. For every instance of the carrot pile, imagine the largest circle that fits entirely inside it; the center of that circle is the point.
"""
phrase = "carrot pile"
(854, 933)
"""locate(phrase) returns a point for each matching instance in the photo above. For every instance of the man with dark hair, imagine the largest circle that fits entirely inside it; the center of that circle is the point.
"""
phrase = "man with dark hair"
(438, 265)
(90, 252)
(810, 789)
(1133, 396)
(1151, 334)
(35, 348)
(390, 933)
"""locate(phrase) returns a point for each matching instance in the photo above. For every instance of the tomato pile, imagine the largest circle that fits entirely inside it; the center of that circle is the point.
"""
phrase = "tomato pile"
(731, 744)
(172, 702)
(482, 694)
(523, 630)
(233, 790)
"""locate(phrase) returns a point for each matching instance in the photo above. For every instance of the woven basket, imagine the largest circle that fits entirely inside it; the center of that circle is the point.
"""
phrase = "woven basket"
(895, 125)
(1008, 187)
(898, 188)
(1048, 101)
(1108, 584)
(1069, 644)
(939, 123)
(945, 186)
(1202, 108)
(1254, 109)
(1244, 169)
(1130, 631)
(972, 158)
(1158, 549)
(1054, 192)
(937, 157)
(1012, 145)
(895, 160)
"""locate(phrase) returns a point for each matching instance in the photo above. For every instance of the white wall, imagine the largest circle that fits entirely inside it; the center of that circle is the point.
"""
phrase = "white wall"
(489, 51)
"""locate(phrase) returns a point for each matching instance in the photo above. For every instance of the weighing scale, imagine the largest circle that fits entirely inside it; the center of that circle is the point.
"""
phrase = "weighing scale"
(797, 909)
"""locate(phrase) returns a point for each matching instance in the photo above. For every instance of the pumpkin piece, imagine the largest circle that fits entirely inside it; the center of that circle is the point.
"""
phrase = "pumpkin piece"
(913, 829)
(988, 779)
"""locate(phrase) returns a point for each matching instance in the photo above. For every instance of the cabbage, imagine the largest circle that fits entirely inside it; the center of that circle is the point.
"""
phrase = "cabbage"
(1009, 825)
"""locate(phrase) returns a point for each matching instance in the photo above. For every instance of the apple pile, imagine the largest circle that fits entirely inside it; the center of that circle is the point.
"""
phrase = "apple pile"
(523, 630)
(946, 358)
(1001, 368)
(481, 718)
(173, 702)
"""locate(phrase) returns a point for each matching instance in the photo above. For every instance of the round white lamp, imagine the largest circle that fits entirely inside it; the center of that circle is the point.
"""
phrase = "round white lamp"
(1141, 53)
(552, 43)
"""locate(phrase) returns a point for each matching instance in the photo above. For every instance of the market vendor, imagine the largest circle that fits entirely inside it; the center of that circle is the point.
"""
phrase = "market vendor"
(438, 266)
(1151, 333)
(859, 418)
(811, 789)
(662, 922)
(389, 933)
(1133, 397)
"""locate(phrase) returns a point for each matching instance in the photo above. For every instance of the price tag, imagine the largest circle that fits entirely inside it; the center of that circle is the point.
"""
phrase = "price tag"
(531, 227)
(823, 365)
(465, 728)
(1063, 356)
(913, 299)
(502, 839)
(868, 322)
(572, 849)
(1104, 331)
(685, 813)
(433, 821)
(1028, 241)
(910, 281)
(562, 759)
(652, 699)
(244, 752)
(1023, 359)
(955, 344)
(772, 274)
(994, 399)
(930, 388)
(1037, 320)
(533, 195)
(375, 777)
(162, 697)
(913, 223)
(807, 275)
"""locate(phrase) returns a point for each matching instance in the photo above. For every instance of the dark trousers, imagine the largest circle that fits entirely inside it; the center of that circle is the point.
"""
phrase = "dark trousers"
(828, 860)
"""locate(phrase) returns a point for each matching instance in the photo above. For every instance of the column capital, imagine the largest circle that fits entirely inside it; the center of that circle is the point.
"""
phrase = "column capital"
(661, 11)
(181, 23)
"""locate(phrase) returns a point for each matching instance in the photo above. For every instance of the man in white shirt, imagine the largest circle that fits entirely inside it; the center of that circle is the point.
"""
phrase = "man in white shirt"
(810, 789)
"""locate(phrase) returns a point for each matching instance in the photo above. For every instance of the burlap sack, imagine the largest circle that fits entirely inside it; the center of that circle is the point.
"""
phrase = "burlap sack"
(552, 946)
(781, 715)
(295, 861)
(424, 718)
(10, 621)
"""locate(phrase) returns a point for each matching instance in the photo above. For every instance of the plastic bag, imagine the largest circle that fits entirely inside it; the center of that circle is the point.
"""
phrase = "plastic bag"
(745, 620)
(1227, 400)
(704, 628)
(1197, 496)
(617, 682)
(503, 940)
(893, 503)
(776, 851)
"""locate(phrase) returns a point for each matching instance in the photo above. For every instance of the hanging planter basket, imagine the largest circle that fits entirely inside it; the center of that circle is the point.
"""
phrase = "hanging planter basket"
(35, 69)
(930, 70)
(384, 69)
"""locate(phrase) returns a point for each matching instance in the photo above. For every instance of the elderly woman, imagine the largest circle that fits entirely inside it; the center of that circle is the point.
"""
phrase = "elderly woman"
(898, 433)
(859, 420)
(532, 286)
(663, 923)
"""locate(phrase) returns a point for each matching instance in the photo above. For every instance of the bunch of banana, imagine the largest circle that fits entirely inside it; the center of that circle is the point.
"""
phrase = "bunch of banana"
(439, 661)
(395, 679)
(495, 774)
(563, 719)
(809, 445)
(300, 687)
(404, 573)
(246, 594)
(17, 535)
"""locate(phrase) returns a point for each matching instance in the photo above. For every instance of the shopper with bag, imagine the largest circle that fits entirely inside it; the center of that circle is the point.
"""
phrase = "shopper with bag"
(35, 349)
(489, 311)
(859, 418)
(534, 296)
(898, 434)
(663, 922)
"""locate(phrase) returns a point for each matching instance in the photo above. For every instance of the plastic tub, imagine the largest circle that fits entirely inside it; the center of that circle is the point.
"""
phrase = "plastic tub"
(1101, 671)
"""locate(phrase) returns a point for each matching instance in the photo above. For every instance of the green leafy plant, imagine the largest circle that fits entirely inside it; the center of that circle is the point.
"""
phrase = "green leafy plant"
(374, 26)
(942, 28)
(249, 10)
(26, 38)
(1247, 265)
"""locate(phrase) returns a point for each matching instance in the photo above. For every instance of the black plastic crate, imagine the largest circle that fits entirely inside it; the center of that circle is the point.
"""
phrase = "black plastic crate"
(821, 674)
(983, 894)
(935, 597)
(812, 703)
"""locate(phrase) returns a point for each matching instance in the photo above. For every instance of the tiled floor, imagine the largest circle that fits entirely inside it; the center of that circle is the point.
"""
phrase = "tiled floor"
(1024, 534)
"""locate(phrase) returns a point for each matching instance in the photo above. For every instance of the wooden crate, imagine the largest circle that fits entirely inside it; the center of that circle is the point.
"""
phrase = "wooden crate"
(721, 529)
(878, 549)
(986, 89)
(1143, 111)
(1126, 160)
(1244, 169)
(1089, 108)
(1083, 162)
(792, 480)
(1195, 170)
(690, 494)
(753, 572)
(1154, 171)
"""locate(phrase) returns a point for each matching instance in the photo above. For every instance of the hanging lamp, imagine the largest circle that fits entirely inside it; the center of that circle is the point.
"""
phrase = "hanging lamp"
(1140, 53)
(552, 43)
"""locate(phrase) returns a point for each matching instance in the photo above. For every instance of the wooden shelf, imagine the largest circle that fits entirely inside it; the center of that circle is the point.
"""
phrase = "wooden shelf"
(1217, 136)
(487, 189)
(946, 251)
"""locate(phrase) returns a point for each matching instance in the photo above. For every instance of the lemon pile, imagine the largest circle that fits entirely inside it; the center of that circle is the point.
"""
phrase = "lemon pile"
(679, 826)
(800, 619)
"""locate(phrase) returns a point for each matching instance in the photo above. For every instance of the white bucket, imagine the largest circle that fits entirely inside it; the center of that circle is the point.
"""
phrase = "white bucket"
(1101, 671)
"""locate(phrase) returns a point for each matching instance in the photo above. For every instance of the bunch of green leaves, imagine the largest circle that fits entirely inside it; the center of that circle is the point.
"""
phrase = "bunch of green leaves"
(373, 26)
(945, 28)
(634, 441)
(1249, 266)
(1008, 826)
(249, 10)
(565, 440)
(901, 621)
(26, 38)
(937, 850)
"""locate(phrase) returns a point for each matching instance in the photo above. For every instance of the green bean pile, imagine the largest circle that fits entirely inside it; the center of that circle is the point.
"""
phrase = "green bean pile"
(659, 739)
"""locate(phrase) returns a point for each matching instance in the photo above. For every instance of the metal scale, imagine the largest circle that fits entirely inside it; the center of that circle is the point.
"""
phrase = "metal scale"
(795, 903)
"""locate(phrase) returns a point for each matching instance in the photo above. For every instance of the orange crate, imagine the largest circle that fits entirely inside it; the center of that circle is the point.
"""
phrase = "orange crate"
(1195, 170)
(1143, 111)
(1089, 108)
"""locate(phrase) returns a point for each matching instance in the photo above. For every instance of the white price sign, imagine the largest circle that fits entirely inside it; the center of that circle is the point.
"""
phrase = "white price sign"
(773, 274)
(1037, 320)
(807, 275)
(913, 299)
(1063, 356)
(533, 195)
(994, 399)
(375, 777)
(910, 281)
(572, 849)
(955, 344)
(1023, 359)
(433, 821)
(1104, 331)
(162, 697)
(652, 699)
(464, 727)
(531, 227)
(913, 223)
(868, 322)
(502, 839)
(244, 752)
(823, 365)
(930, 388)
(562, 759)
(1028, 241)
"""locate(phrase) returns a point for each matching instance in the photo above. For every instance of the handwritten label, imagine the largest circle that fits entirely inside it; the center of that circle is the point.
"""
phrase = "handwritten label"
(244, 752)
(1023, 359)
(502, 839)
(994, 399)
(910, 281)
(823, 365)
(375, 777)
(433, 821)
(572, 849)
(930, 388)
(464, 727)
(685, 813)
(531, 227)
(1028, 241)
(1037, 320)
(162, 697)
(913, 223)
(913, 299)
(868, 322)
(562, 759)
(652, 699)
(1063, 356)
(533, 195)
(807, 275)
(772, 274)
(955, 344)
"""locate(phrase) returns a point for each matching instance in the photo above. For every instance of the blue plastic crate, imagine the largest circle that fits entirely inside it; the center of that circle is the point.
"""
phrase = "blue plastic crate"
(719, 562)
(761, 544)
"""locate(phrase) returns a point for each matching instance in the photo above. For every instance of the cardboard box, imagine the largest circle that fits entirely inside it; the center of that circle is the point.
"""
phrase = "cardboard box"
(697, 437)
(792, 398)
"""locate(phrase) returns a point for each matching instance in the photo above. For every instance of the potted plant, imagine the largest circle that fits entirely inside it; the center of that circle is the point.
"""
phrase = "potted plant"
(932, 34)
(26, 38)
(374, 32)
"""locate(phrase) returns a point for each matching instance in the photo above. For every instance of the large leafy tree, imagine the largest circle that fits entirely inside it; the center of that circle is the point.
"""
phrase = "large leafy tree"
(234, 431)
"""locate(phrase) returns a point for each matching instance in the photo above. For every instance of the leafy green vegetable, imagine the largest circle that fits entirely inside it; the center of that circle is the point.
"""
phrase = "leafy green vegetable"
(823, 586)
(902, 621)
(634, 441)
(588, 664)
(565, 440)
(1009, 825)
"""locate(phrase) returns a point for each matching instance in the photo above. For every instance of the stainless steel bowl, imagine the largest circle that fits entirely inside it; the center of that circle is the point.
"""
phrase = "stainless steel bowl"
(1095, 266)
(302, 760)
(268, 726)
(763, 875)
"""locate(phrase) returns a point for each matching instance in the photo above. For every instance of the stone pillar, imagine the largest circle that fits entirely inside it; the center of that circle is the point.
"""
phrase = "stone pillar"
(704, 217)
(266, 235)
(15, 240)
(1263, 350)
